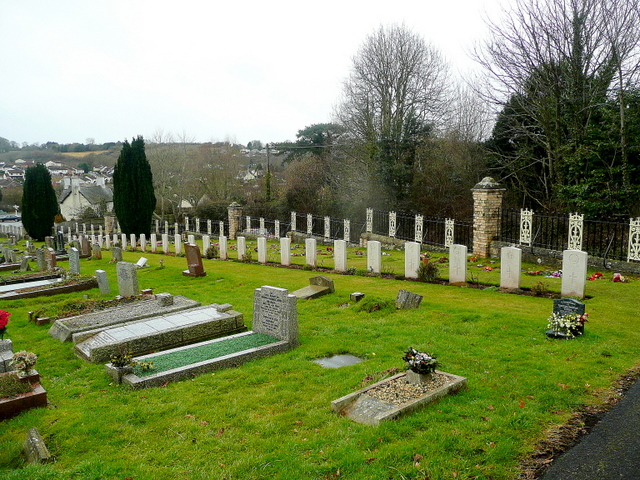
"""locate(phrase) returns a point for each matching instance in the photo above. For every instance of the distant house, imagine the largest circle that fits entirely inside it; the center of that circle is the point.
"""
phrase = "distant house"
(75, 199)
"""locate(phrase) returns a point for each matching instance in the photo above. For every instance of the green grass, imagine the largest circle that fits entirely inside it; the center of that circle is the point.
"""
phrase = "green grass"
(180, 358)
(271, 418)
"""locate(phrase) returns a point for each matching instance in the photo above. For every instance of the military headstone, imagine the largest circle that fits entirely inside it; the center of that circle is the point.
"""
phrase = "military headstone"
(457, 263)
(165, 243)
(132, 240)
(242, 248)
(574, 273)
(178, 243)
(411, 259)
(285, 251)
(340, 255)
(262, 249)
(510, 266)
(154, 242)
(374, 256)
(310, 251)
(143, 242)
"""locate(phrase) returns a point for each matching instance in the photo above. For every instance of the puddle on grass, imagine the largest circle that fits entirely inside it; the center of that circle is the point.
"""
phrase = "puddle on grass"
(338, 361)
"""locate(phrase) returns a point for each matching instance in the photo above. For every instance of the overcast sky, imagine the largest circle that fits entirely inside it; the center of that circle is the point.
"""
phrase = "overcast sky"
(241, 71)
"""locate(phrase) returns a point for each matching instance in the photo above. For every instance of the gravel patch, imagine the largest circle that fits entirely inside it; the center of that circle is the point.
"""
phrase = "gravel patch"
(399, 391)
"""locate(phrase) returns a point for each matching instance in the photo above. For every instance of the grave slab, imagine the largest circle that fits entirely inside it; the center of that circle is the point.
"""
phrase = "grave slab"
(318, 286)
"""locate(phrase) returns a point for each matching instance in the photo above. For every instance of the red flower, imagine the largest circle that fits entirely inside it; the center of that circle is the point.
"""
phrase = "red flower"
(4, 318)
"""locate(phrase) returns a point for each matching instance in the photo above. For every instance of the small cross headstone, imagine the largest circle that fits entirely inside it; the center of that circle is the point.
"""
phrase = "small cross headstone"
(510, 266)
(574, 273)
(194, 261)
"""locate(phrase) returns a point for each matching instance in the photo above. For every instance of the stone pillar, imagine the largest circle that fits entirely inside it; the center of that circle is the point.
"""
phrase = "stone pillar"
(235, 216)
(487, 211)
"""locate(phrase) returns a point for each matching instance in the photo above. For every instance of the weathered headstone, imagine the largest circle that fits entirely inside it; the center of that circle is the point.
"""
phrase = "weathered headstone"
(262, 249)
(457, 263)
(74, 260)
(48, 241)
(374, 256)
(510, 266)
(24, 263)
(6, 355)
(34, 449)
(310, 251)
(407, 300)
(116, 254)
(96, 251)
(194, 261)
(340, 255)
(574, 273)
(40, 259)
(59, 243)
(103, 282)
(85, 248)
(127, 279)
(50, 259)
(285, 251)
(242, 248)
(275, 313)
(318, 286)
(223, 247)
(411, 259)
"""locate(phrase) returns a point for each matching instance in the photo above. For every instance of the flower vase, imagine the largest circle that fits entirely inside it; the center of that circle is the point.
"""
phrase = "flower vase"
(418, 378)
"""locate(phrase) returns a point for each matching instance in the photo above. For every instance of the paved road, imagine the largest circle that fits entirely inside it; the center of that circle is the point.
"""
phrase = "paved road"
(611, 451)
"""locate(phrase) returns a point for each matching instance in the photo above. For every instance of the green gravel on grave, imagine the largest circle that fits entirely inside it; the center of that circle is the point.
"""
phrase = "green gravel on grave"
(180, 358)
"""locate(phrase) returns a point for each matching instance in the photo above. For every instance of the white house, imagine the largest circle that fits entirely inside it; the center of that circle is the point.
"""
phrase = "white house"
(75, 199)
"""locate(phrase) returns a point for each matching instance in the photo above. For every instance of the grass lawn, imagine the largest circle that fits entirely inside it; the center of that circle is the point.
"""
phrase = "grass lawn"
(271, 418)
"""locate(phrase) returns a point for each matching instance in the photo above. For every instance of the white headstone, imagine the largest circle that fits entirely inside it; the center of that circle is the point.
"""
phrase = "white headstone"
(374, 256)
(127, 279)
(165, 243)
(457, 263)
(285, 251)
(132, 240)
(510, 266)
(310, 251)
(143, 242)
(206, 244)
(142, 262)
(154, 242)
(275, 313)
(242, 248)
(224, 248)
(262, 249)
(178, 243)
(191, 239)
(411, 259)
(574, 273)
(123, 241)
(340, 255)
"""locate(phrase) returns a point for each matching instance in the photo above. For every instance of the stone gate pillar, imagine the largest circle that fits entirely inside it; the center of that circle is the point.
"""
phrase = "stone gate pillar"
(487, 212)
(235, 216)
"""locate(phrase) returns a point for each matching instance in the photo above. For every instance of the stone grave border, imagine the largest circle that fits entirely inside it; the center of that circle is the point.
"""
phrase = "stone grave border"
(47, 292)
(191, 370)
(342, 404)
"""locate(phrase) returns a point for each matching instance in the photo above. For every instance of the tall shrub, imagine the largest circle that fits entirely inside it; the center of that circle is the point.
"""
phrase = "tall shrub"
(133, 197)
(39, 202)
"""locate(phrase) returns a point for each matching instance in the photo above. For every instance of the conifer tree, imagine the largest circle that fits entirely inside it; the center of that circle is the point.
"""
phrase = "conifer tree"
(39, 202)
(133, 197)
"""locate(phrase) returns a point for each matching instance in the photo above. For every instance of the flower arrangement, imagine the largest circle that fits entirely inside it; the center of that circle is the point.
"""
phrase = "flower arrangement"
(570, 324)
(24, 361)
(420, 362)
(4, 320)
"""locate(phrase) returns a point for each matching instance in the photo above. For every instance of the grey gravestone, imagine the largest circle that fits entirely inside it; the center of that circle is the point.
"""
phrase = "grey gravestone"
(165, 299)
(6, 355)
(275, 313)
(50, 259)
(574, 273)
(510, 266)
(96, 251)
(40, 259)
(194, 261)
(407, 300)
(127, 279)
(374, 256)
(48, 241)
(116, 254)
(457, 263)
(24, 264)
(59, 244)
(85, 248)
(356, 296)
(74, 260)
(35, 451)
(565, 306)
(318, 286)
(103, 282)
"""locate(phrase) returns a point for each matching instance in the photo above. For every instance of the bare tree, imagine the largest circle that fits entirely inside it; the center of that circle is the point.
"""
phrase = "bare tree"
(394, 96)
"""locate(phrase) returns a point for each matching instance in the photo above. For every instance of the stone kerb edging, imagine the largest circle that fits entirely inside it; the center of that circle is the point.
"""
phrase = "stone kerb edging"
(206, 366)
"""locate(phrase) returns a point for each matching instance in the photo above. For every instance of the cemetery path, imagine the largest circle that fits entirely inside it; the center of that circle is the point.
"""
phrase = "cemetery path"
(610, 451)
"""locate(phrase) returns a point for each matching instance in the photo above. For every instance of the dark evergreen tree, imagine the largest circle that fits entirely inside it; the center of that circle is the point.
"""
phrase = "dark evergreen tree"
(133, 197)
(39, 202)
